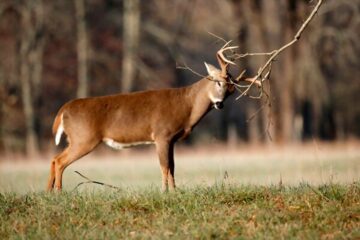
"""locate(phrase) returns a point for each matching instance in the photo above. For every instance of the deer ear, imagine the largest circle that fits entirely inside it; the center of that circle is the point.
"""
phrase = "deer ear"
(212, 71)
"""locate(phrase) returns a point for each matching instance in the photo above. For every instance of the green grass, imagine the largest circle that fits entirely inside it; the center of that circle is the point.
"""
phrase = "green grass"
(220, 211)
(248, 204)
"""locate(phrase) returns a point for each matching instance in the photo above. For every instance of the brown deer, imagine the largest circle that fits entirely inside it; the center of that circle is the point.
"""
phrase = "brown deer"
(159, 117)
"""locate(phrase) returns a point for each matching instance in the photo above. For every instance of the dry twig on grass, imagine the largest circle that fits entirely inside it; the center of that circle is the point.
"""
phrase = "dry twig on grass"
(92, 181)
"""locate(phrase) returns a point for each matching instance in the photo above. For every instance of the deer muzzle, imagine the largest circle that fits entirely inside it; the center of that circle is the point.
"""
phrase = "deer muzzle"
(218, 105)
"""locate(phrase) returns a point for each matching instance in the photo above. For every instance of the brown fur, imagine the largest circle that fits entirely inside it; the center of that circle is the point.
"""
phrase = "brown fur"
(162, 116)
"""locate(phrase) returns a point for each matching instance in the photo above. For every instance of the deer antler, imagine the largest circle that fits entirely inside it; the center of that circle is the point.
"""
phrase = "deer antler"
(223, 61)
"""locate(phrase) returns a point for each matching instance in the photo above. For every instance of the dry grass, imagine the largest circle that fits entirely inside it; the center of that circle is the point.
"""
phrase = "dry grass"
(312, 163)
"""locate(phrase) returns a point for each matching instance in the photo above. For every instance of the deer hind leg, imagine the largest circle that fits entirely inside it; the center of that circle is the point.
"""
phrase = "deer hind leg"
(51, 181)
(72, 153)
(165, 151)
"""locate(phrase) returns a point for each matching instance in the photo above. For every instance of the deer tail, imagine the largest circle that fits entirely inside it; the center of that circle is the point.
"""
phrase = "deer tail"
(58, 127)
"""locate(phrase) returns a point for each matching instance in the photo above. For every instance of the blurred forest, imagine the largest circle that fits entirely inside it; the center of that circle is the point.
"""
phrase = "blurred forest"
(54, 51)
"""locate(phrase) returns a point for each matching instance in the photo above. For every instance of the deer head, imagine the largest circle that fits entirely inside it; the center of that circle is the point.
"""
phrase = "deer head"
(222, 80)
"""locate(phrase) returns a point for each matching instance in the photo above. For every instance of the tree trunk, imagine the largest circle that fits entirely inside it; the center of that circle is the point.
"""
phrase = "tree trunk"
(36, 61)
(32, 145)
(82, 46)
(276, 27)
(2, 105)
(252, 39)
(30, 61)
(286, 98)
(131, 35)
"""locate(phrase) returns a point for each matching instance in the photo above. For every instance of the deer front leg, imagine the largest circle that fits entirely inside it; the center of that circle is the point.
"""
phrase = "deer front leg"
(165, 150)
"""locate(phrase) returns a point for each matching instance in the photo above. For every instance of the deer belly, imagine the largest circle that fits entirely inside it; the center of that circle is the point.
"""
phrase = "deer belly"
(118, 145)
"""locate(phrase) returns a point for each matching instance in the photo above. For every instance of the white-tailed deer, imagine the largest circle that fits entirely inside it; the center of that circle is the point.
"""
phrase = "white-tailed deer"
(160, 117)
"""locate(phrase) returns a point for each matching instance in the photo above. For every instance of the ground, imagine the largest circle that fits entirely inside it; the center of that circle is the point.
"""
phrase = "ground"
(272, 192)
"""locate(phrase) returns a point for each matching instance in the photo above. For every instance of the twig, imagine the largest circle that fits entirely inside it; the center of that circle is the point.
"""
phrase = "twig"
(269, 115)
(218, 37)
(186, 67)
(256, 112)
(91, 181)
(242, 55)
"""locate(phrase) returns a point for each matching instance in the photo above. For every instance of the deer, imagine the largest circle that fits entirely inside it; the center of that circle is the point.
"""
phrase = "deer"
(160, 117)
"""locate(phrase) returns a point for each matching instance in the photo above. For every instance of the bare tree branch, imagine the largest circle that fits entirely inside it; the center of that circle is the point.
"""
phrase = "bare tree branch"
(218, 37)
(242, 55)
(275, 53)
(259, 78)
(186, 67)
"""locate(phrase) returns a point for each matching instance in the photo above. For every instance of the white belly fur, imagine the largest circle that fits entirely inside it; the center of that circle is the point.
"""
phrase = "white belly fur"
(117, 145)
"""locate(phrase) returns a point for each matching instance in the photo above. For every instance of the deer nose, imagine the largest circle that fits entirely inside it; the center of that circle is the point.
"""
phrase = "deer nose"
(218, 105)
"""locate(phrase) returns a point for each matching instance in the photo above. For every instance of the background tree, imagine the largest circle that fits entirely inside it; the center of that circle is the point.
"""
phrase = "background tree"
(45, 61)
(131, 38)
(82, 49)
(30, 61)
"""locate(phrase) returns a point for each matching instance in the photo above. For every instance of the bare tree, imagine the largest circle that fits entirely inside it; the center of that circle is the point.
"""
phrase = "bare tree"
(131, 35)
(82, 48)
(28, 36)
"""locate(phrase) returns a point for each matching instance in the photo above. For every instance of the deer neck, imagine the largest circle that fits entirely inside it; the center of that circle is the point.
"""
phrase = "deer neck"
(199, 92)
(199, 100)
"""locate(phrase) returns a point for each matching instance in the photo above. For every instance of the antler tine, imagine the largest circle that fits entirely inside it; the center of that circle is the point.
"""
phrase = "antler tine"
(220, 53)
(223, 61)
(227, 43)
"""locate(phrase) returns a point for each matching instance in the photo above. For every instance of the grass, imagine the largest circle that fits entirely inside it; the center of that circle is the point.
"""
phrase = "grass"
(221, 211)
(249, 204)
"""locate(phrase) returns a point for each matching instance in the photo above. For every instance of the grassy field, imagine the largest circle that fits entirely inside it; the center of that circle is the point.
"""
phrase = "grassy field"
(220, 212)
(312, 192)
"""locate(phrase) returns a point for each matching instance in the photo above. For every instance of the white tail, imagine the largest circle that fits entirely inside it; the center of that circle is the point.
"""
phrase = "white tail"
(59, 131)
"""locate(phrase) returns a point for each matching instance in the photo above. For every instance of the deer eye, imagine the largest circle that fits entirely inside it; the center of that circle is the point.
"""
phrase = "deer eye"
(218, 83)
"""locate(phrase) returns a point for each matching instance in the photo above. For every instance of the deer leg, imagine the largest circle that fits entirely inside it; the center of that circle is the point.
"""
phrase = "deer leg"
(171, 176)
(58, 167)
(165, 152)
(51, 180)
(70, 155)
